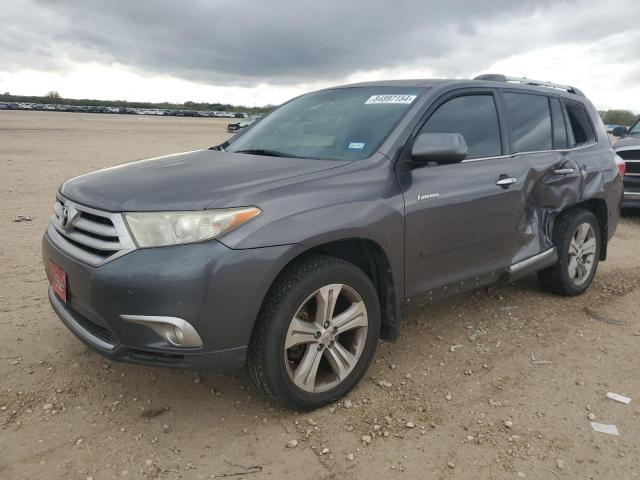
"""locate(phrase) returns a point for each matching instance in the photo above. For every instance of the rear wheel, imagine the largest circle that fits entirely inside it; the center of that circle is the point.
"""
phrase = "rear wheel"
(577, 238)
(316, 333)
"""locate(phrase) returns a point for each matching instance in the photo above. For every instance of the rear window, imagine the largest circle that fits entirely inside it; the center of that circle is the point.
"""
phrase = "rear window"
(530, 121)
(581, 127)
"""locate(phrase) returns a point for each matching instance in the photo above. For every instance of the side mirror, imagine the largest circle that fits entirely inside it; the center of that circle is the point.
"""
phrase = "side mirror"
(619, 131)
(442, 148)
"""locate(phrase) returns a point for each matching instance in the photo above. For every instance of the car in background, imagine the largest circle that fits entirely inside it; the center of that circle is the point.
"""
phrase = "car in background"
(237, 126)
(628, 148)
(611, 128)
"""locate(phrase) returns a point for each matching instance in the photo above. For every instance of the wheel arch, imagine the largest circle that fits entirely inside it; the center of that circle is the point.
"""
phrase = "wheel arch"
(369, 257)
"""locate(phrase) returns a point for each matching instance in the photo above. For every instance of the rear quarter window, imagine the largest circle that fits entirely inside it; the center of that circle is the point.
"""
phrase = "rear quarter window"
(581, 127)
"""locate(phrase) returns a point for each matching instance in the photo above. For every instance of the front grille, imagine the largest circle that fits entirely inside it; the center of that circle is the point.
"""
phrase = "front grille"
(92, 236)
(155, 357)
(629, 154)
(633, 167)
(632, 160)
(97, 330)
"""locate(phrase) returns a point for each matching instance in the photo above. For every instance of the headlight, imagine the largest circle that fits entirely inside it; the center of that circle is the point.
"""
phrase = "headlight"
(155, 229)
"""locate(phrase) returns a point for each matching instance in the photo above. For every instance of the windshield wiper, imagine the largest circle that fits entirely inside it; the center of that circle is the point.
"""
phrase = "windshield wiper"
(268, 153)
(221, 147)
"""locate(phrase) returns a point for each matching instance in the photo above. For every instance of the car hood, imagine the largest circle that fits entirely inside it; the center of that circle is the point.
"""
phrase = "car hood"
(184, 181)
(630, 141)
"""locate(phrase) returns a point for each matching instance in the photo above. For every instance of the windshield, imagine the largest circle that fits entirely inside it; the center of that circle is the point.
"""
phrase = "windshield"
(338, 124)
(635, 128)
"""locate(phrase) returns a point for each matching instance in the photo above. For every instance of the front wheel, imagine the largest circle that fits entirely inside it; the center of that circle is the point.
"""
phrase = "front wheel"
(316, 334)
(577, 238)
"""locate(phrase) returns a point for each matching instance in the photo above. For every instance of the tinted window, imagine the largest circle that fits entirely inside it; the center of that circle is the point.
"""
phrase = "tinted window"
(580, 125)
(530, 121)
(338, 124)
(559, 127)
(473, 116)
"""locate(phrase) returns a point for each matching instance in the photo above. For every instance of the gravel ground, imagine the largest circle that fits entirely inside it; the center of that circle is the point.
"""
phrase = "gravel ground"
(499, 383)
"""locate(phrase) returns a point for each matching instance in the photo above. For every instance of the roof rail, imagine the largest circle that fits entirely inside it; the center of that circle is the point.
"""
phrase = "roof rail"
(493, 77)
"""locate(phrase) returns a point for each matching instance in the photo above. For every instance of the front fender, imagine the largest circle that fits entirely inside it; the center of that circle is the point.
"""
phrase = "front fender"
(360, 200)
(379, 221)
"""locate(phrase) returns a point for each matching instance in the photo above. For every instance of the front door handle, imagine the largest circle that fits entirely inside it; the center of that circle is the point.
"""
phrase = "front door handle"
(563, 171)
(505, 181)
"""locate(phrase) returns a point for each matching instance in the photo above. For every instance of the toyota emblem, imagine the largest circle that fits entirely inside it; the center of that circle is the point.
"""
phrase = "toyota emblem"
(64, 217)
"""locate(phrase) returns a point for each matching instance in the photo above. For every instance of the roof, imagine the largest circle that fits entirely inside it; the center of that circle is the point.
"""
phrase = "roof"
(490, 80)
(399, 83)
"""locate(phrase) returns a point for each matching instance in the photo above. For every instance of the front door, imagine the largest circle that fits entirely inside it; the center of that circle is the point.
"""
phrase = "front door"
(461, 219)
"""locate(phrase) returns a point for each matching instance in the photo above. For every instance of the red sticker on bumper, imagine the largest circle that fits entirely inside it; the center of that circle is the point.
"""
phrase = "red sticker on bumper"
(58, 281)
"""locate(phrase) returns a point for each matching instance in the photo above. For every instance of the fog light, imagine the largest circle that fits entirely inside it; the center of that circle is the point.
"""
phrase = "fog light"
(179, 335)
(176, 331)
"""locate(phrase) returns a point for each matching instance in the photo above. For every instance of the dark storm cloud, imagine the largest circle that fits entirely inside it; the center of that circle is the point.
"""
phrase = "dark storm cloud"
(278, 41)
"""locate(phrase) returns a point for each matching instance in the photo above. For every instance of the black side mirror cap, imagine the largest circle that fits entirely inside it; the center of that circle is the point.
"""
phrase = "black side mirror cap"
(619, 131)
(441, 148)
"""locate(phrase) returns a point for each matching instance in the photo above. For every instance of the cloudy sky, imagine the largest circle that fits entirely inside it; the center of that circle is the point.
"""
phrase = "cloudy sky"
(256, 52)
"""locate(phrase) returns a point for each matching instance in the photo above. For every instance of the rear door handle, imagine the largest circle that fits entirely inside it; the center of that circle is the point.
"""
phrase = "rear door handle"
(505, 181)
(563, 171)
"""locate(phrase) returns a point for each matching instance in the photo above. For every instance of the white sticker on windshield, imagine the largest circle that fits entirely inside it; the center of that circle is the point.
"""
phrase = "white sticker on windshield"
(379, 99)
(356, 146)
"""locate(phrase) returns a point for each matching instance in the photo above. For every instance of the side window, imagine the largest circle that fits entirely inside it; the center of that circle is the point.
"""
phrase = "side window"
(529, 118)
(473, 116)
(581, 127)
(559, 127)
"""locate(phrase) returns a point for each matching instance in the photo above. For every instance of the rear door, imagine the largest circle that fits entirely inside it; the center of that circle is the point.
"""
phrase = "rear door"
(539, 138)
(460, 223)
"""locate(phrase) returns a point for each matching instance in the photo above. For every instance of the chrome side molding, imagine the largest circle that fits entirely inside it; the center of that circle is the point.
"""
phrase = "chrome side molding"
(527, 262)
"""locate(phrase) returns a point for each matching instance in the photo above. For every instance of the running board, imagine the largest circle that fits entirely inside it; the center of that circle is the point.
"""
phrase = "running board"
(530, 265)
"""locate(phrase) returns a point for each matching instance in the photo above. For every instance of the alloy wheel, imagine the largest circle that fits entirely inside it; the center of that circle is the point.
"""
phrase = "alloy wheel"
(326, 338)
(582, 252)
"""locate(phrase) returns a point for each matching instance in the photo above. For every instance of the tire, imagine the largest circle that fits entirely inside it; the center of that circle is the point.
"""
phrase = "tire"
(560, 278)
(299, 291)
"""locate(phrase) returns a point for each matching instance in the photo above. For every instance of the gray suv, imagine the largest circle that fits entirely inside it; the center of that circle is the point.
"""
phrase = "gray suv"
(292, 247)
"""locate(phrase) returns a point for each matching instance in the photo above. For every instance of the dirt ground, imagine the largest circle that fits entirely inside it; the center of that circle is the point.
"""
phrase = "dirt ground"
(495, 384)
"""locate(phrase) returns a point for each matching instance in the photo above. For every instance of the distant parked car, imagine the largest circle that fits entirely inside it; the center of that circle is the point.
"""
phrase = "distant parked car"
(628, 148)
(234, 127)
(611, 128)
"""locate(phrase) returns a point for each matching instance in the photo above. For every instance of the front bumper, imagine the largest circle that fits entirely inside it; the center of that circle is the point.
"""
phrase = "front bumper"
(218, 290)
(631, 200)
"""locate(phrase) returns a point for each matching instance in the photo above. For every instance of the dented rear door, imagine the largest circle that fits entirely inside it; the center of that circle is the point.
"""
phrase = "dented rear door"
(539, 138)
(553, 184)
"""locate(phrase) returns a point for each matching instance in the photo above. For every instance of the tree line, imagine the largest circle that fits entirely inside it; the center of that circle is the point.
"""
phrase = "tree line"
(618, 117)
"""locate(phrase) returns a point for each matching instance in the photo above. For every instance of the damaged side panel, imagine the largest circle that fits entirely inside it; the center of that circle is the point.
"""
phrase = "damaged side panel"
(583, 176)
(553, 184)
